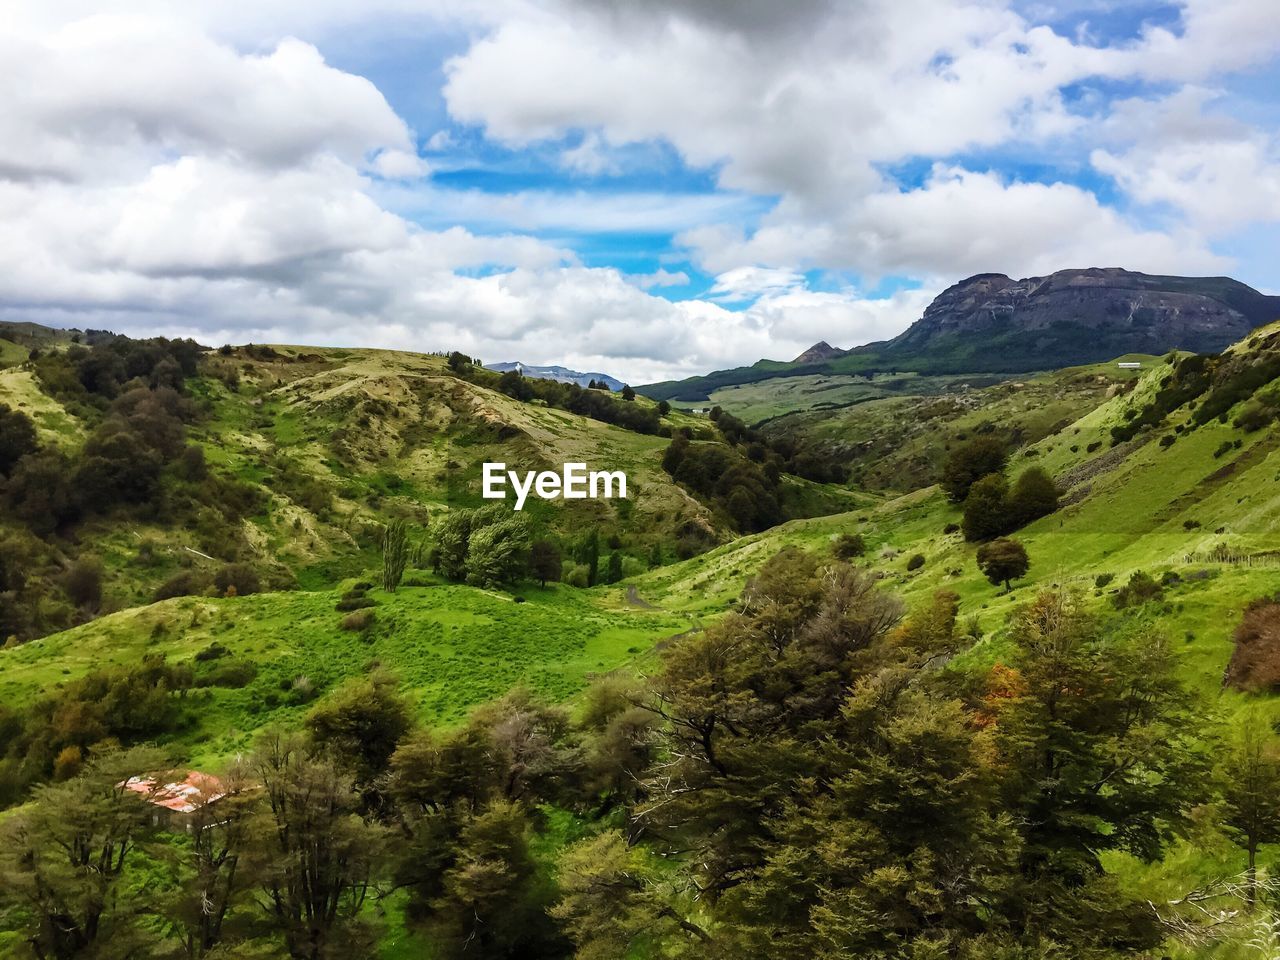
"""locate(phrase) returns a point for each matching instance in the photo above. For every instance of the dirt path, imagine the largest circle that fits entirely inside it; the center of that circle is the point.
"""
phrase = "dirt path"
(634, 598)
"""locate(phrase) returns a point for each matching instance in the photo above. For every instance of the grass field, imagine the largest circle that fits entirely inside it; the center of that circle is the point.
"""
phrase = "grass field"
(452, 647)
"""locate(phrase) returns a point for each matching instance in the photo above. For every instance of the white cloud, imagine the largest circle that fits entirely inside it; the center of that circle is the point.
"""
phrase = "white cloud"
(199, 169)
(748, 283)
(659, 278)
(108, 96)
(1214, 171)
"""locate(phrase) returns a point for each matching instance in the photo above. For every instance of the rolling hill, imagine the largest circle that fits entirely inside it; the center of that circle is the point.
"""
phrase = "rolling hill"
(990, 323)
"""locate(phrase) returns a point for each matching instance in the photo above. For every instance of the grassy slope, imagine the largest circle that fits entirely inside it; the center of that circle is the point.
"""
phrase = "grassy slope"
(451, 646)
(387, 434)
(766, 399)
(899, 443)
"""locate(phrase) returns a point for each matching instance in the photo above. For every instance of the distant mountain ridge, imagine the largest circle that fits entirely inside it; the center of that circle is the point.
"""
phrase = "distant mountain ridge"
(555, 372)
(991, 323)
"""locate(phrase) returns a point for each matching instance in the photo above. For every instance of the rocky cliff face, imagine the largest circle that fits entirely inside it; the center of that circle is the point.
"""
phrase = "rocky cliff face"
(818, 352)
(1087, 315)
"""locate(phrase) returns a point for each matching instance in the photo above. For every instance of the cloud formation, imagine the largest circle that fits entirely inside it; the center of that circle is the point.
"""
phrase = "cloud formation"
(202, 170)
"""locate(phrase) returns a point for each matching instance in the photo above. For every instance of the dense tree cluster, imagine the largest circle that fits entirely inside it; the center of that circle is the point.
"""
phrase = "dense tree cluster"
(806, 777)
(595, 401)
(135, 461)
(746, 492)
(486, 547)
(973, 475)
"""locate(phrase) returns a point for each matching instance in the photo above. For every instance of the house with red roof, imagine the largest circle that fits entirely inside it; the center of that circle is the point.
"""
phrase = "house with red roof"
(178, 805)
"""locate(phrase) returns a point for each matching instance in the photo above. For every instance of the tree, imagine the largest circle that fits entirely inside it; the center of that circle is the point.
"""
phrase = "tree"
(63, 858)
(544, 562)
(616, 901)
(589, 554)
(497, 552)
(1034, 495)
(613, 572)
(209, 879)
(968, 463)
(1102, 748)
(360, 724)
(1003, 561)
(84, 583)
(395, 554)
(459, 361)
(986, 509)
(655, 556)
(1250, 776)
(848, 546)
(450, 540)
(17, 438)
(313, 856)
(663, 408)
(491, 904)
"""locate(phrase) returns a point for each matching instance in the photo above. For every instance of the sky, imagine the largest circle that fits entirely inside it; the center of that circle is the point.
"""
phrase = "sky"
(649, 189)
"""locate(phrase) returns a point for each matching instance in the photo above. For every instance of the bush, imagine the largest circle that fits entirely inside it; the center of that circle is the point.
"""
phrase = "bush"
(232, 674)
(1103, 579)
(969, 463)
(185, 583)
(354, 602)
(1255, 661)
(1141, 588)
(849, 545)
(951, 528)
(916, 562)
(359, 620)
(84, 583)
(237, 579)
(1254, 417)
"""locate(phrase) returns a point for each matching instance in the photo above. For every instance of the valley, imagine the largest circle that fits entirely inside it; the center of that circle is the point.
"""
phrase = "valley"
(1163, 529)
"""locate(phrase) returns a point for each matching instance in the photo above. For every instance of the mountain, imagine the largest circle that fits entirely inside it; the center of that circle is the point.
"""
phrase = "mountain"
(991, 323)
(818, 352)
(558, 373)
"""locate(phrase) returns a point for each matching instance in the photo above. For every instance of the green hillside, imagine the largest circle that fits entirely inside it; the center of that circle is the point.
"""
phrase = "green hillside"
(1163, 533)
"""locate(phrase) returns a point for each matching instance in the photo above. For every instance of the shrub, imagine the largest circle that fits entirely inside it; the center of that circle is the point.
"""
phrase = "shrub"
(849, 545)
(359, 620)
(354, 602)
(970, 462)
(1255, 661)
(916, 562)
(1103, 579)
(1141, 588)
(185, 583)
(237, 580)
(1254, 417)
(951, 528)
(84, 583)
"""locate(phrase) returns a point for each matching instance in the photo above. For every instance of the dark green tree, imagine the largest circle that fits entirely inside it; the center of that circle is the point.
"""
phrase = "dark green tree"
(968, 463)
(1102, 745)
(544, 562)
(986, 509)
(313, 856)
(63, 858)
(613, 573)
(1003, 561)
(395, 554)
(627, 392)
(17, 438)
(1034, 495)
(1250, 776)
